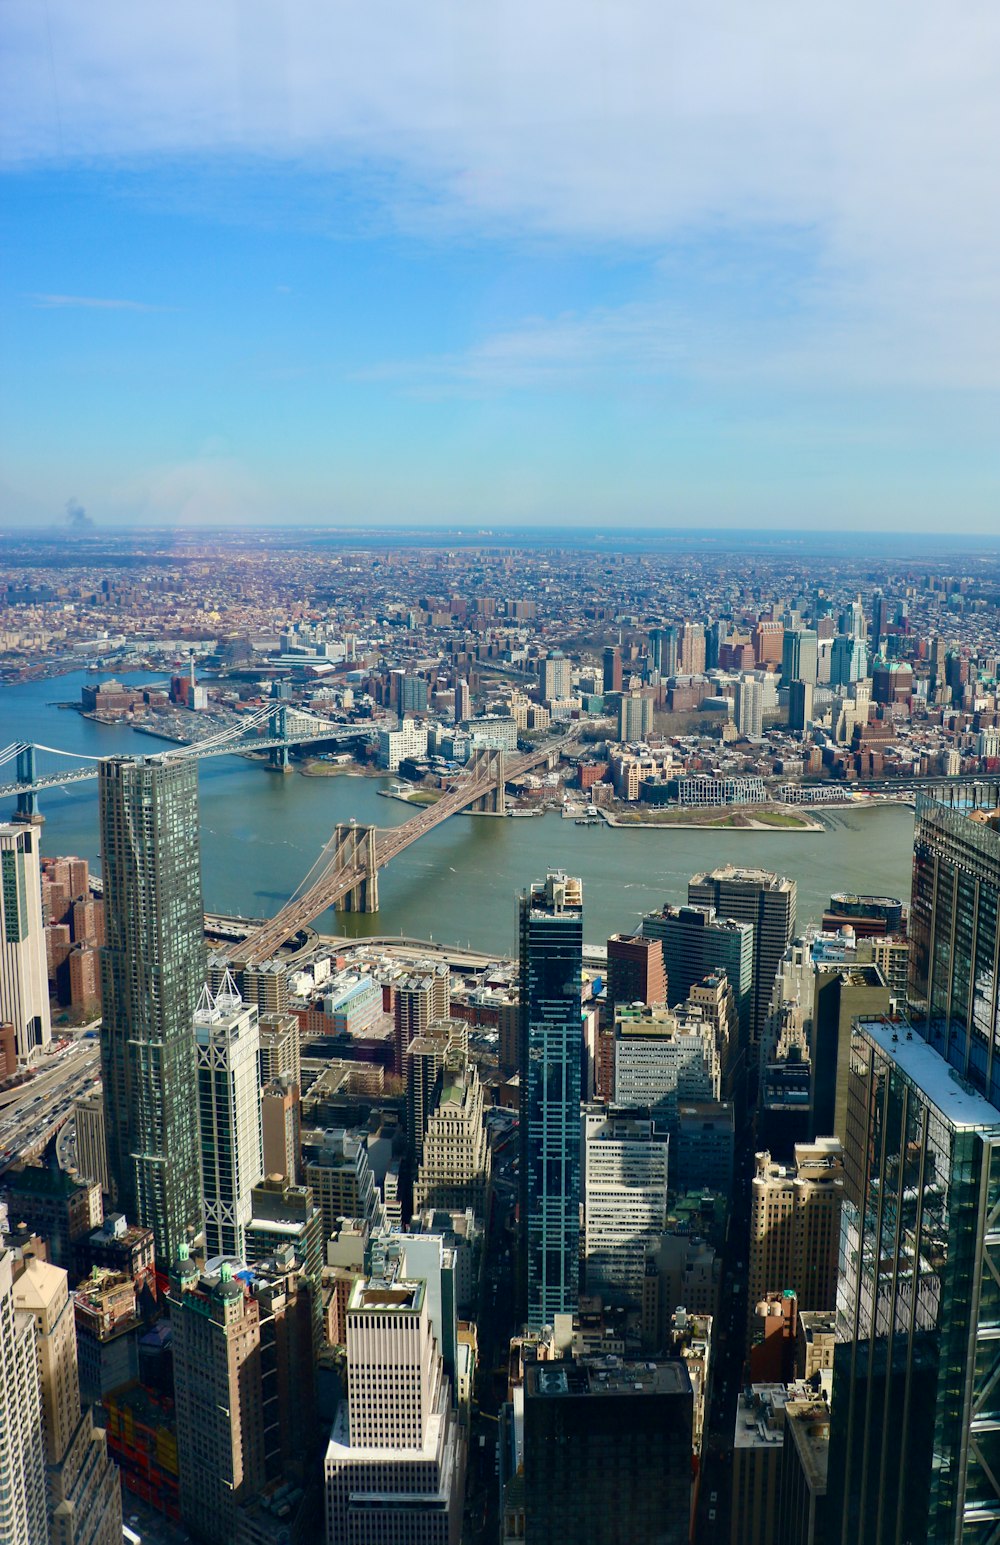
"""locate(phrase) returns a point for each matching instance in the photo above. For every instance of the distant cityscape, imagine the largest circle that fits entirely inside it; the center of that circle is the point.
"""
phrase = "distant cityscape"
(682, 1230)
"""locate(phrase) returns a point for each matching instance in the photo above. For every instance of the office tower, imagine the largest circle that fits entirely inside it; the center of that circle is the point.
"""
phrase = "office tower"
(456, 1158)
(635, 971)
(232, 1158)
(881, 611)
(704, 1148)
(691, 650)
(82, 1484)
(915, 1440)
(660, 1059)
(24, 978)
(91, 1140)
(419, 999)
(280, 1054)
(841, 994)
(696, 942)
(281, 1126)
(23, 1517)
(424, 1062)
(750, 708)
(152, 971)
(215, 1323)
(625, 1201)
(635, 716)
(768, 902)
(612, 669)
(607, 1452)
(800, 706)
(954, 939)
(557, 677)
(285, 1217)
(848, 661)
(395, 1460)
(338, 1172)
(799, 656)
(795, 1225)
(892, 956)
(551, 973)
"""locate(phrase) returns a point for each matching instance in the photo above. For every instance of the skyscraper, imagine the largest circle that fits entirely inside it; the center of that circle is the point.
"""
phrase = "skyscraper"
(954, 937)
(635, 716)
(557, 677)
(800, 656)
(152, 970)
(750, 708)
(625, 1201)
(915, 1431)
(635, 971)
(551, 960)
(695, 942)
(23, 1518)
(691, 650)
(612, 668)
(229, 1116)
(768, 902)
(24, 983)
(795, 1225)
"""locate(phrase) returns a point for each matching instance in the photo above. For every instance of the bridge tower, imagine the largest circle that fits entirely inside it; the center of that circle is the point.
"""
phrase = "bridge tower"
(495, 801)
(355, 845)
(27, 801)
(279, 756)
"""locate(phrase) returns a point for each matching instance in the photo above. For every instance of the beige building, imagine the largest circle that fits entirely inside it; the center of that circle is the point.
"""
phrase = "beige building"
(795, 1225)
(280, 1048)
(280, 1122)
(455, 1168)
(91, 1144)
(24, 977)
(83, 1486)
(23, 1519)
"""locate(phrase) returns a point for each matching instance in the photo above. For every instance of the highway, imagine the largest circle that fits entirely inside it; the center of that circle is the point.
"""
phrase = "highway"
(33, 1113)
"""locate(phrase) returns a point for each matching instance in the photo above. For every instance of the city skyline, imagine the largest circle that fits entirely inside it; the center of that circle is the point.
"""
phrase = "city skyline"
(641, 270)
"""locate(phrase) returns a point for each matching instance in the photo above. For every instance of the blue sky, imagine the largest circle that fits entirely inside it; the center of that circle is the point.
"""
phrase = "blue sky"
(619, 264)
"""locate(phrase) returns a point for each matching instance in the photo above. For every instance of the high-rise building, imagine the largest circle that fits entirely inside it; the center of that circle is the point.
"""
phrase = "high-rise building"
(557, 677)
(424, 1062)
(23, 1519)
(215, 1325)
(82, 1484)
(795, 1225)
(660, 1059)
(419, 999)
(455, 1161)
(395, 1461)
(635, 971)
(635, 716)
(232, 1156)
(280, 1055)
(24, 979)
(841, 993)
(750, 708)
(768, 902)
(152, 970)
(800, 656)
(954, 938)
(691, 650)
(915, 1435)
(800, 705)
(551, 974)
(848, 660)
(607, 1452)
(625, 1201)
(91, 1140)
(612, 668)
(281, 1127)
(697, 941)
(663, 651)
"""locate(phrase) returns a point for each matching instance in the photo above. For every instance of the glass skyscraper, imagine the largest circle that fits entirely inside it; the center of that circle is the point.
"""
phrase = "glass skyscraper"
(551, 957)
(152, 971)
(915, 1426)
(955, 941)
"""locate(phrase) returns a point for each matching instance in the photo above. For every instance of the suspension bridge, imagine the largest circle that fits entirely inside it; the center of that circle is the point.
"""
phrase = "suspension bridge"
(273, 728)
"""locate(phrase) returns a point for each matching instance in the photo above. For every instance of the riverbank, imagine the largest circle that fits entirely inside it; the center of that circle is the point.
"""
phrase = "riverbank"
(713, 820)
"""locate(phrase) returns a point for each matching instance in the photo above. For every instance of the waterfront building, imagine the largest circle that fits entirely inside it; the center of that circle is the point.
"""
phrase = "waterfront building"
(867, 916)
(229, 1113)
(625, 1201)
(395, 1460)
(915, 1431)
(763, 899)
(955, 938)
(795, 1225)
(23, 1518)
(409, 740)
(83, 1489)
(551, 977)
(607, 1452)
(24, 979)
(635, 971)
(152, 971)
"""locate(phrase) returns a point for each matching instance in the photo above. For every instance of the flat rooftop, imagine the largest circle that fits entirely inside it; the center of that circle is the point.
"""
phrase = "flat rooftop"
(606, 1376)
(960, 1105)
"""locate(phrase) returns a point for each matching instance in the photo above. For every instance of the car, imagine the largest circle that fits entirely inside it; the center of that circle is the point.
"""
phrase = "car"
(711, 1515)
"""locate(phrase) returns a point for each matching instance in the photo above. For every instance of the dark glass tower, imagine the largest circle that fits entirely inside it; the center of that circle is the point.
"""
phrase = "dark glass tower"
(954, 987)
(152, 972)
(551, 941)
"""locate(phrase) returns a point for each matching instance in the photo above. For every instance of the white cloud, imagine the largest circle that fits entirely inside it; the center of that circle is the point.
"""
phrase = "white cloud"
(88, 303)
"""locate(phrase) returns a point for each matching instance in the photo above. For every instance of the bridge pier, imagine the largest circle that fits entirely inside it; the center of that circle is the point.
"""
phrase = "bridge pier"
(27, 801)
(495, 801)
(280, 758)
(351, 845)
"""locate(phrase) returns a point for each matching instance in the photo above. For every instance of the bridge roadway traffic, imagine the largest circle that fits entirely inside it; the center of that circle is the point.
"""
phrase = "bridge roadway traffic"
(33, 1112)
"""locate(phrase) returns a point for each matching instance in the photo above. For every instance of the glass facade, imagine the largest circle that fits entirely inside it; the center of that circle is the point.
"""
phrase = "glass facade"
(551, 960)
(915, 1431)
(955, 941)
(152, 971)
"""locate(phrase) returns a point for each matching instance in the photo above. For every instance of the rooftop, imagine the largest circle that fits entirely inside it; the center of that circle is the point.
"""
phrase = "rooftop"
(959, 1104)
(606, 1376)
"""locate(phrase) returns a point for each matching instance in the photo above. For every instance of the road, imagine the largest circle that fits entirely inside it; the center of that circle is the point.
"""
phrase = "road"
(31, 1114)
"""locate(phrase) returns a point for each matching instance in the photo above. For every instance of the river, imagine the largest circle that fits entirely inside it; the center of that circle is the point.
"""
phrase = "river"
(261, 831)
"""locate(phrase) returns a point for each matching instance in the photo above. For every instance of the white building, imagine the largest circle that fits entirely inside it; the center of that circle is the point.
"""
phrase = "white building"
(750, 708)
(23, 1519)
(410, 739)
(227, 1042)
(625, 1200)
(394, 1464)
(24, 978)
(660, 1058)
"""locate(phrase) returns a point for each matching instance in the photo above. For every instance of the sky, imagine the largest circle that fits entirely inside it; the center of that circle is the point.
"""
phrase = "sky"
(614, 263)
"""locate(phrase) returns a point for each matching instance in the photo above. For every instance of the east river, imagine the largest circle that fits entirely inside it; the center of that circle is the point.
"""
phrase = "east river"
(261, 832)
